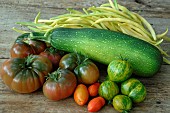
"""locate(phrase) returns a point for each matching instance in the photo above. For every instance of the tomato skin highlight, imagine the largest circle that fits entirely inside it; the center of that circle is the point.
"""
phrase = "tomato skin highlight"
(96, 104)
(60, 85)
(81, 95)
(25, 75)
(93, 89)
(23, 46)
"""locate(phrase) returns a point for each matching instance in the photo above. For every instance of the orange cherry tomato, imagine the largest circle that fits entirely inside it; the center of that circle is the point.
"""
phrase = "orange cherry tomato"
(81, 95)
(96, 104)
(93, 89)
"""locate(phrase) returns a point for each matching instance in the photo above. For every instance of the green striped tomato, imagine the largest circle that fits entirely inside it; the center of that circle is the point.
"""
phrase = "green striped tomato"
(119, 70)
(134, 89)
(122, 103)
(108, 89)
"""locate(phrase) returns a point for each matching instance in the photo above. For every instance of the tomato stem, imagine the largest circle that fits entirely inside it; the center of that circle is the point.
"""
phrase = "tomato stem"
(55, 75)
(29, 60)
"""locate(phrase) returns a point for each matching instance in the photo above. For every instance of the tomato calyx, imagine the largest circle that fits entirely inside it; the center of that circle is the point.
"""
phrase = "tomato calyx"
(54, 50)
(56, 75)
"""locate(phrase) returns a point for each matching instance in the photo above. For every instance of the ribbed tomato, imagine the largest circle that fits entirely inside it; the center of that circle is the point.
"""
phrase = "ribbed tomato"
(25, 75)
(134, 89)
(60, 84)
(24, 46)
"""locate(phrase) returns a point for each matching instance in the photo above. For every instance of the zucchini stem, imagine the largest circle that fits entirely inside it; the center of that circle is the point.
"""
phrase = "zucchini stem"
(40, 36)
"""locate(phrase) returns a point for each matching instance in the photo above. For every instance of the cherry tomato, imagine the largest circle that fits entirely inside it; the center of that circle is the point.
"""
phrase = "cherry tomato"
(81, 95)
(25, 75)
(87, 72)
(24, 46)
(93, 89)
(96, 104)
(60, 84)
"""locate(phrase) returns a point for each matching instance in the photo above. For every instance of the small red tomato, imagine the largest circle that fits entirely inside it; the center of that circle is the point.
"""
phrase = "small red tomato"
(93, 89)
(53, 55)
(96, 104)
(81, 95)
(24, 46)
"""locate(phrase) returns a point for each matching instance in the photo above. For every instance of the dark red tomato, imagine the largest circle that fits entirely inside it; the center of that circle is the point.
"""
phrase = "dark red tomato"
(24, 46)
(53, 55)
(70, 61)
(60, 84)
(25, 75)
(87, 72)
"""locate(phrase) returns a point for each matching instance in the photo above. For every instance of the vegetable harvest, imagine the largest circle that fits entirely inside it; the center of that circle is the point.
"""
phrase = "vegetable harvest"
(66, 48)
(110, 16)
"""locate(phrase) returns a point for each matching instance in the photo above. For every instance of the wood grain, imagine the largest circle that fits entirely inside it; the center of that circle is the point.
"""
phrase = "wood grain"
(12, 11)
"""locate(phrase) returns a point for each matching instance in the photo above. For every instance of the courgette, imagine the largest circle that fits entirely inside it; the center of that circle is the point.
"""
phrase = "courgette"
(105, 45)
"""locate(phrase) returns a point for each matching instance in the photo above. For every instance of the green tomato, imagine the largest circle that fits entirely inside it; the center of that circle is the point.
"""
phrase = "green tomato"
(122, 103)
(134, 89)
(119, 70)
(108, 89)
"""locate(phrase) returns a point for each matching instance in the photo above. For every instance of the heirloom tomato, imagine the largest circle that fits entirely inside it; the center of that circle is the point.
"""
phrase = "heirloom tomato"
(122, 103)
(25, 75)
(60, 84)
(24, 46)
(71, 60)
(53, 55)
(119, 70)
(134, 89)
(87, 72)
(108, 89)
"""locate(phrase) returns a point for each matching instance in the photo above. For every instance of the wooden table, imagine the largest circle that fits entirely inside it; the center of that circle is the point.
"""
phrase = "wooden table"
(157, 12)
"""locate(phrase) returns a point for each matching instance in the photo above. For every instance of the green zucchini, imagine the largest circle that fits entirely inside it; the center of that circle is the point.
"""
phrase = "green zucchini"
(105, 45)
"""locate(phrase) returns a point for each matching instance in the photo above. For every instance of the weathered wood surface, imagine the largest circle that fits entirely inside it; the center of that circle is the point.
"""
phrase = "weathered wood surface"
(157, 12)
